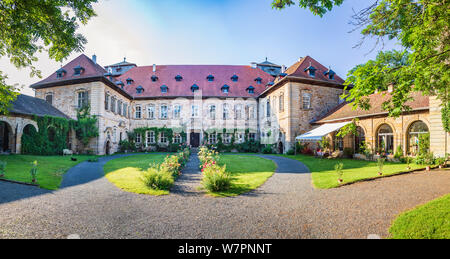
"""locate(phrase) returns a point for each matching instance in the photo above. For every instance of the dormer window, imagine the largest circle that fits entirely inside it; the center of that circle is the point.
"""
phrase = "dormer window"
(178, 78)
(61, 73)
(210, 78)
(139, 89)
(258, 80)
(283, 75)
(120, 83)
(130, 81)
(311, 71)
(225, 89)
(78, 70)
(251, 90)
(194, 88)
(330, 74)
(164, 89)
(234, 78)
(270, 84)
(154, 78)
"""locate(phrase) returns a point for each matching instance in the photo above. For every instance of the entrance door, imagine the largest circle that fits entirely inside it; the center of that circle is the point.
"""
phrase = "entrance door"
(108, 148)
(195, 139)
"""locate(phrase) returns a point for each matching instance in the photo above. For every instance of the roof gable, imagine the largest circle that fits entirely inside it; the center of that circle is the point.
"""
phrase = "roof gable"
(301, 67)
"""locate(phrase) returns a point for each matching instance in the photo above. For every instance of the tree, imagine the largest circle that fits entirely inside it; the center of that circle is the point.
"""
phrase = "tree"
(35, 26)
(422, 28)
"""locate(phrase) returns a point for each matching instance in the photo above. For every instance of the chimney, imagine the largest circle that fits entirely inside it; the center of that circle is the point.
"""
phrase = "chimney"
(254, 65)
(154, 68)
(94, 58)
(283, 68)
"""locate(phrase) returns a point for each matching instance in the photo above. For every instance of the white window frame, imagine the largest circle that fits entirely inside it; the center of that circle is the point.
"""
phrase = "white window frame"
(151, 112)
(194, 111)
(150, 138)
(164, 112)
(212, 138)
(138, 112)
(163, 138)
(83, 99)
(306, 101)
(212, 112)
(225, 112)
(177, 111)
(177, 139)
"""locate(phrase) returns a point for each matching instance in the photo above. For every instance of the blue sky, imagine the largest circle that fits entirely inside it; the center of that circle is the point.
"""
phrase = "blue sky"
(214, 32)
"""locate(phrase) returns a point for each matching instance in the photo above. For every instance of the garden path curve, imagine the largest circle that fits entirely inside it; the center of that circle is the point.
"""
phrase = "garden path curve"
(286, 206)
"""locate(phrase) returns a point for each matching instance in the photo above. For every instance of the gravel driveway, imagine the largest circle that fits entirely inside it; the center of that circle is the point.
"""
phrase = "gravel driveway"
(286, 206)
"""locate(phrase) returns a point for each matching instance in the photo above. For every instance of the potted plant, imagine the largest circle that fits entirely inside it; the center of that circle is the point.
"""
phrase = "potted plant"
(380, 162)
(33, 171)
(338, 168)
(2, 168)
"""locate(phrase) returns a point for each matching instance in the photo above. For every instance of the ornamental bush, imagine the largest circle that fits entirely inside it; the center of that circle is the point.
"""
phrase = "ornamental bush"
(157, 179)
(215, 178)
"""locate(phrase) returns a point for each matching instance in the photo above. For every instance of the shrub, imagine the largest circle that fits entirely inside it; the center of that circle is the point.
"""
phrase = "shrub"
(399, 153)
(171, 164)
(291, 152)
(338, 168)
(157, 179)
(268, 149)
(438, 161)
(126, 145)
(425, 159)
(3, 168)
(215, 178)
(34, 171)
(380, 163)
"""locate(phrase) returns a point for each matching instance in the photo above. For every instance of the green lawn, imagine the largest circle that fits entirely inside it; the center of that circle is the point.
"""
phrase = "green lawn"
(429, 221)
(50, 168)
(324, 176)
(248, 173)
(125, 173)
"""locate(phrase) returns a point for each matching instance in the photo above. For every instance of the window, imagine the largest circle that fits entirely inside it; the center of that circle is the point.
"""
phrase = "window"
(360, 139)
(83, 99)
(154, 78)
(210, 78)
(194, 88)
(178, 78)
(177, 139)
(238, 111)
(151, 112)
(385, 139)
(251, 90)
(212, 138)
(138, 113)
(49, 99)
(164, 114)
(417, 132)
(60, 73)
(78, 70)
(311, 71)
(151, 137)
(227, 138)
(258, 80)
(177, 112)
(129, 81)
(164, 89)
(338, 143)
(124, 111)
(138, 138)
(163, 137)
(194, 111)
(226, 112)
(268, 112)
(212, 112)
(106, 101)
(225, 89)
(241, 138)
(113, 104)
(306, 100)
(119, 107)
(252, 136)
(139, 90)
(281, 102)
(234, 78)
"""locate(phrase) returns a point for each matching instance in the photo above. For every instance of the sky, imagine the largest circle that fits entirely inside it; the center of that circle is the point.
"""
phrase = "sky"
(226, 32)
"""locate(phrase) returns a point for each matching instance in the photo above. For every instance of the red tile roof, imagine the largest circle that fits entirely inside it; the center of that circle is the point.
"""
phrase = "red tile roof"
(345, 111)
(195, 74)
(298, 70)
(91, 69)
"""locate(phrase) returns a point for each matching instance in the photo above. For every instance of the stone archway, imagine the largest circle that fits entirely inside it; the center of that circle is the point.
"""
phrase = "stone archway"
(6, 137)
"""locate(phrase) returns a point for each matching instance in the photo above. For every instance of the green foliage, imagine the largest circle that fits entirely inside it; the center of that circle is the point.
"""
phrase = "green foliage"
(3, 168)
(424, 144)
(348, 129)
(317, 7)
(325, 143)
(425, 158)
(215, 178)
(339, 170)
(399, 152)
(51, 139)
(380, 164)
(34, 171)
(33, 26)
(438, 161)
(86, 125)
(268, 149)
(157, 179)
(421, 27)
(348, 152)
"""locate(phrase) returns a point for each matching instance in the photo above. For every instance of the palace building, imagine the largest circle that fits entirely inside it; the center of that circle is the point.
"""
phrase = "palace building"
(262, 101)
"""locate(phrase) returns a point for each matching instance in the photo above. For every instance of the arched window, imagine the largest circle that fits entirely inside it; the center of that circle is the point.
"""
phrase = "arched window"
(385, 139)
(416, 133)
(360, 139)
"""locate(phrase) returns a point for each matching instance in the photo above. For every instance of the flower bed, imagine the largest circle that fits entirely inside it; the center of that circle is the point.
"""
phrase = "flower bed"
(215, 177)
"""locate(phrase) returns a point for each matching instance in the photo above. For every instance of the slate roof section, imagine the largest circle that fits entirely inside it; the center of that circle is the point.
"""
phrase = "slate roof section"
(195, 75)
(345, 111)
(27, 105)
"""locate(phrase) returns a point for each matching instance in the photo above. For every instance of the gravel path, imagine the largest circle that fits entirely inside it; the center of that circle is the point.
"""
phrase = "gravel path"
(286, 206)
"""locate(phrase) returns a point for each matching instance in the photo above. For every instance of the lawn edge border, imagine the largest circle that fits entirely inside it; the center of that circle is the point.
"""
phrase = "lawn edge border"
(18, 182)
